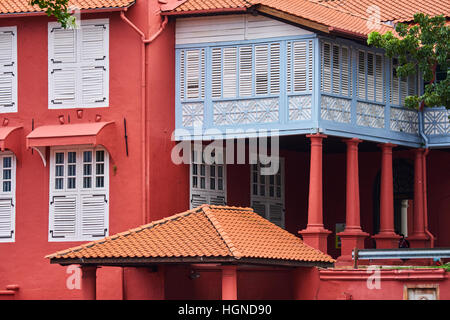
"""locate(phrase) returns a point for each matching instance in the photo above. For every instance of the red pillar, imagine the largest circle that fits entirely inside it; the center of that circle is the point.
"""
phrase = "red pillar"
(315, 234)
(353, 236)
(88, 282)
(229, 283)
(386, 238)
(418, 238)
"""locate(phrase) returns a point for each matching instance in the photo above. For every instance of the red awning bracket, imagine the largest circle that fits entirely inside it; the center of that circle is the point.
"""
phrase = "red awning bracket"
(91, 133)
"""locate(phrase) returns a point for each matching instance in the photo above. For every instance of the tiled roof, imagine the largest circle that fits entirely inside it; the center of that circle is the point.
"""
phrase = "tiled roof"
(205, 232)
(349, 16)
(23, 6)
(392, 10)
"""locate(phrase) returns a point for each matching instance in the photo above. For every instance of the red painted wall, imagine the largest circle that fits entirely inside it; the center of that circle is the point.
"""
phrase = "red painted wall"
(22, 262)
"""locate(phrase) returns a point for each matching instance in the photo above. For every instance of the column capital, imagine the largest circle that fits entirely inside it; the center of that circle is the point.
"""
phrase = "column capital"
(317, 136)
(352, 141)
(387, 145)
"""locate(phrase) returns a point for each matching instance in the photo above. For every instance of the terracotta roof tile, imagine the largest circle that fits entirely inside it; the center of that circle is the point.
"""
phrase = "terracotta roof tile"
(207, 231)
(350, 16)
(23, 6)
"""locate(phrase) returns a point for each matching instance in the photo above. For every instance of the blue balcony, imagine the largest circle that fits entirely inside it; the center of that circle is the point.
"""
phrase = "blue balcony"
(299, 85)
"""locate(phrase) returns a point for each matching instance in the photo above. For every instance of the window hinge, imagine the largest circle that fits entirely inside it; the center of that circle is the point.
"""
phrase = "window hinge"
(100, 67)
(101, 235)
(103, 100)
(101, 195)
(7, 237)
(98, 59)
(100, 25)
(53, 236)
(53, 71)
(9, 72)
(56, 102)
(54, 197)
(55, 61)
(8, 199)
(9, 65)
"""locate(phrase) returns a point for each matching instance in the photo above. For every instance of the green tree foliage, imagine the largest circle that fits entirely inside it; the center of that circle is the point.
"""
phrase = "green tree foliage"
(423, 45)
(57, 8)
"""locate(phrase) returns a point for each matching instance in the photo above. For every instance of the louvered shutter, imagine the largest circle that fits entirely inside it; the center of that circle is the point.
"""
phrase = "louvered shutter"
(8, 69)
(79, 65)
(394, 84)
(276, 214)
(193, 74)
(6, 218)
(245, 71)
(275, 68)
(361, 75)
(62, 66)
(260, 208)
(217, 200)
(216, 72)
(336, 69)
(63, 216)
(261, 69)
(310, 63)
(300, 65)
(93, 215)
(326, 67)
(289, 66)
(379, 78)
(370, 76)
(198, 198)
(345, 75)
(94, 65)
(229, 72)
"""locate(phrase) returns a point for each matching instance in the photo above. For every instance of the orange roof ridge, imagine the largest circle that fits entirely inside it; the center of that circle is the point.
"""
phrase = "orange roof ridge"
(210, 215)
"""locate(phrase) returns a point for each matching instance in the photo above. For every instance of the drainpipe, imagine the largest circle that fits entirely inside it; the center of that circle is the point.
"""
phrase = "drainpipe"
(425, 202)
(144, 63)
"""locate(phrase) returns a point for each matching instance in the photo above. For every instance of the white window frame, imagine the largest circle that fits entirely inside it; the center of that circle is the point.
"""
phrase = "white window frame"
(266, 199)
(79, 191)
(8, 68)
(78, 65)
(207, 192)
(10, 195)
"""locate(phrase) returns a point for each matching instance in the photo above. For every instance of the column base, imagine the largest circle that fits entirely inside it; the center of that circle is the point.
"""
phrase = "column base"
(387, 240)
(316, 237)
(350, 239)
(419, 241)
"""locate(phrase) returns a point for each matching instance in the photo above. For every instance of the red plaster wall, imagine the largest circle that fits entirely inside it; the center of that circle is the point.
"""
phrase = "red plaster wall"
(23, 262)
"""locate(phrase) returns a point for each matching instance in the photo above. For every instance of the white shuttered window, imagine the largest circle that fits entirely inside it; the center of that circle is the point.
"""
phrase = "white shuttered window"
(78, 61)
(401, 87)
(267, 194)
(7, 196)
(8, 69)
(370, 76)
(336, 69)
(79, 194)
(208, 181)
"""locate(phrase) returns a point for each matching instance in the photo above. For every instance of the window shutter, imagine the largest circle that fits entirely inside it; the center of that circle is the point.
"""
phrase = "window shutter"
(394, 84)
(345, 75)
(310, 62)
(275, 68)
(229, 72)
(379, 78)
(217, 200)
(6, 218)
(182, 78)
(197, 199)
(259, 208)
(336, 69)
(63, 216)
(63, 86)
(361, 75)
(245, 71)
(261, 69)
(326, 67)
(78, 65)
(93, 215)
(289, 66)
(300, 64)
(276, 213)
(370, 76)
(8, 69)
(412, 85)
(193, 74)
(94, 69)
(216, 72)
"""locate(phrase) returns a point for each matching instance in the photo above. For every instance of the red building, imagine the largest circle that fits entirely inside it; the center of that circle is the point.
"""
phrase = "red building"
(91, 118)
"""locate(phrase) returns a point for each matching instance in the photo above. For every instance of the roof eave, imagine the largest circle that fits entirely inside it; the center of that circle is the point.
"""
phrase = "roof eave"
(204, 12)
(42, 13)
(142, 262)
